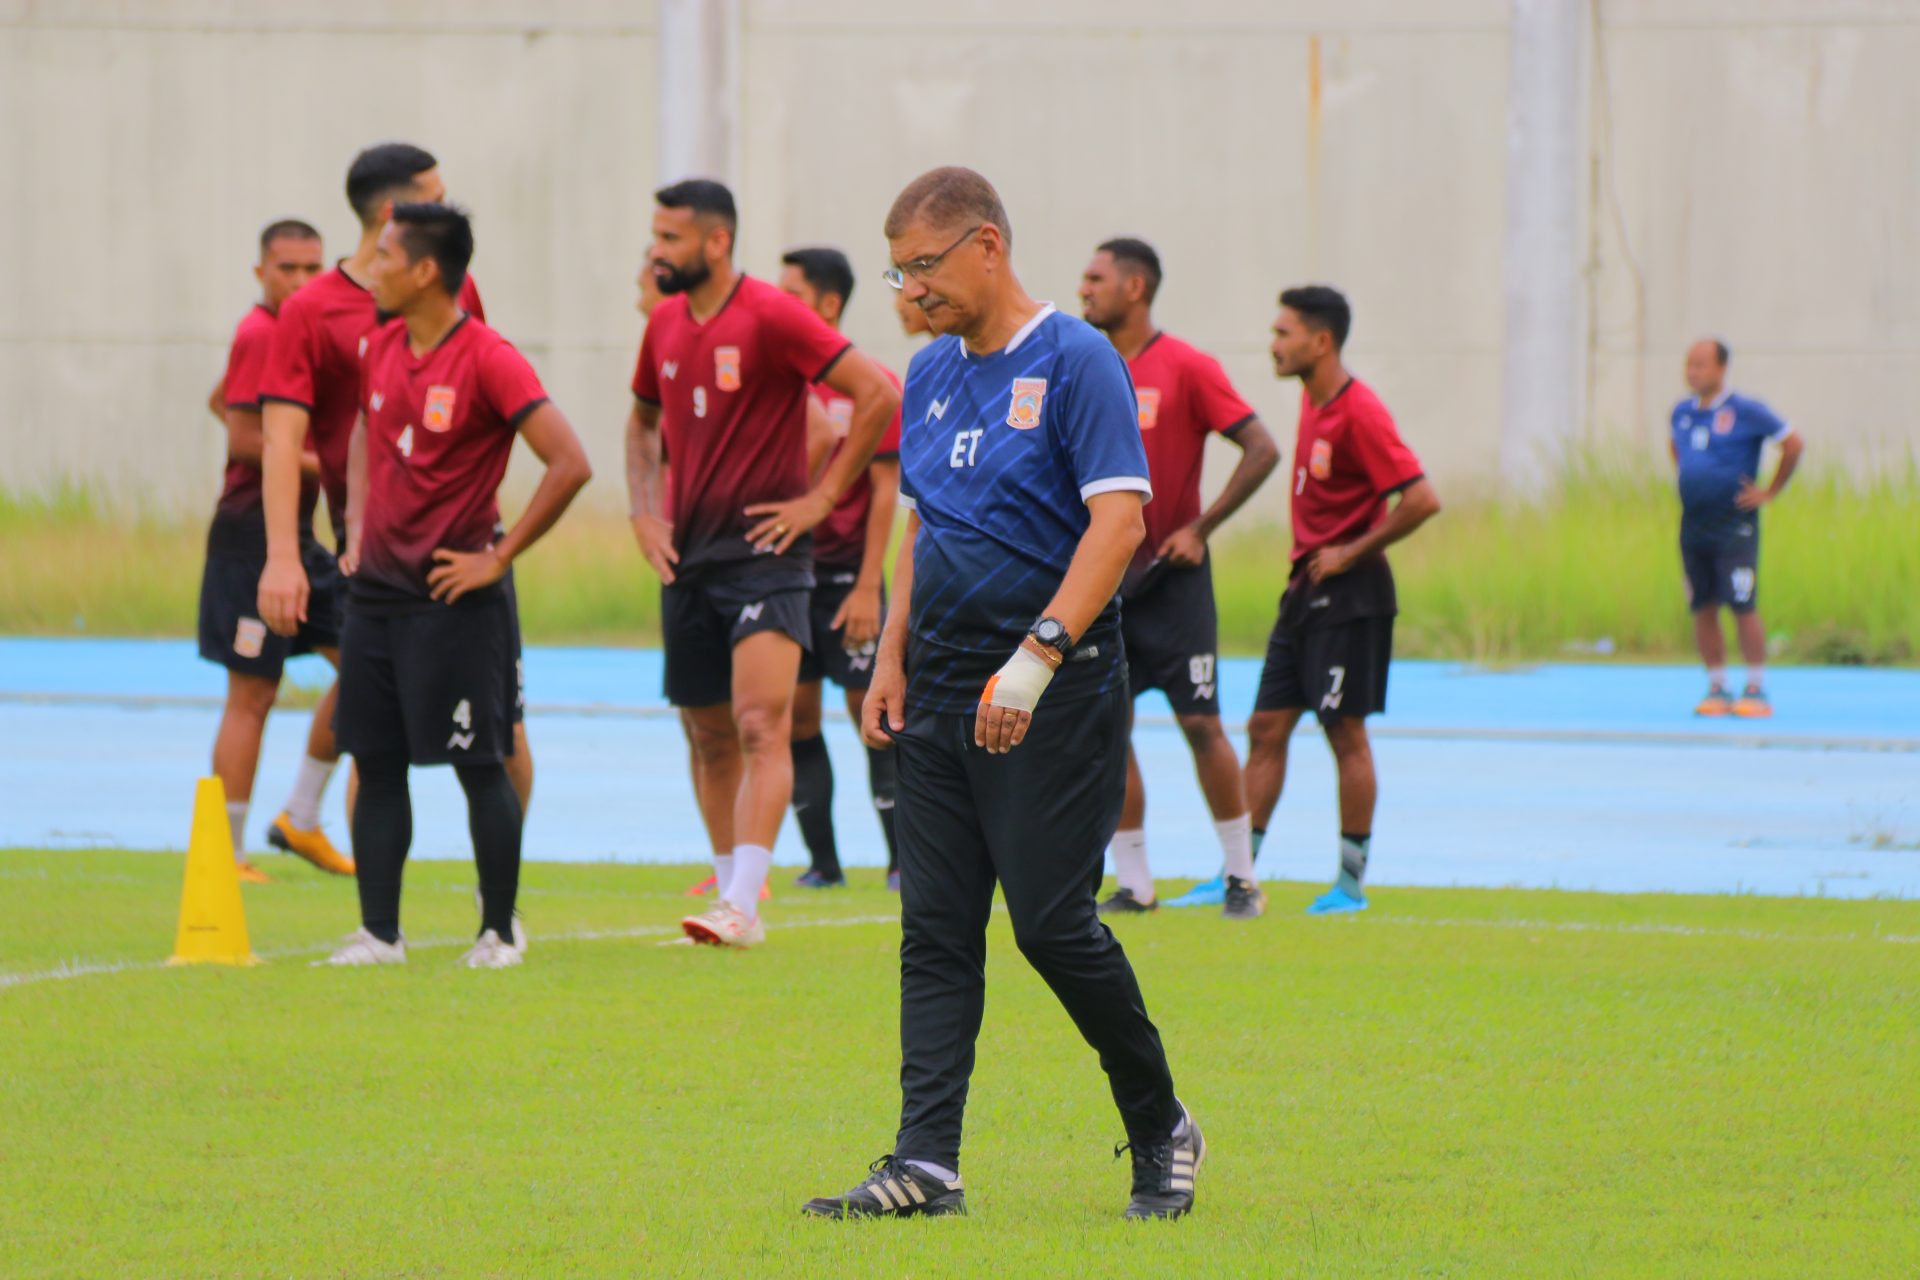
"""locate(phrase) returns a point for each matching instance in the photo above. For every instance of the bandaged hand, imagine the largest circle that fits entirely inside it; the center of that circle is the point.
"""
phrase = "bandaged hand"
(1006, 704)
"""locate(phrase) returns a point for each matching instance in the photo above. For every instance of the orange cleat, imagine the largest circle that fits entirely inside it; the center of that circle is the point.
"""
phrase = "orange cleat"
(1753, 705)
(250, 874)
(311, 845)
(1718, 702)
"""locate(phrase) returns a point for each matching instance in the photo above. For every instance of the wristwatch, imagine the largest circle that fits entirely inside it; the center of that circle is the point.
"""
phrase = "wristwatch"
(1052, 633)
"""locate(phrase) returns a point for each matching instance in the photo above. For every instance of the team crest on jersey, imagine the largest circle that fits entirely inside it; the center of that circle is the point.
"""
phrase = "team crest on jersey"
(1320, 460)
(438, 415)
(726, 368)
(1023, 414)
(1149, 406)
(1723, 422)
(840, 413)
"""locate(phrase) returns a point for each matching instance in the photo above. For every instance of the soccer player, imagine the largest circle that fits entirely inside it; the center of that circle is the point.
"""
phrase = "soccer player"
(311, 384)
(849, 549)
(231, 632)
(1716, 443)
(721, 505)
(1171, 628)
(1023, 476)
(1333, 640)
(429, 672)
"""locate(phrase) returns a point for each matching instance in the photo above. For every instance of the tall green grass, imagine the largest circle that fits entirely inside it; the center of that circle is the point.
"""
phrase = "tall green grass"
(1594, 568)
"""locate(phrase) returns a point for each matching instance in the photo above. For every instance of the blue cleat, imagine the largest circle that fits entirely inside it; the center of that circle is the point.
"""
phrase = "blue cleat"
(1211, 893)
(1336, 901)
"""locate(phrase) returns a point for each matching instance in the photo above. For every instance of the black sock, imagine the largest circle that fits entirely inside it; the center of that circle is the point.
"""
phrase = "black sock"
(382, 833)
(813, 803)
(1353, 860)
(494, 818)
(882, 774)
(1259, 836)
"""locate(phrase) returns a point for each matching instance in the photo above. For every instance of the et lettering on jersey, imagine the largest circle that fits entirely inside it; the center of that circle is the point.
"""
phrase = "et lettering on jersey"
(1717, 447)
(732, 393)
(239, 527)
(440, 427)
(840, 541)
(314, 362)
(999, 455)
(1184, 397)
(1348, 460)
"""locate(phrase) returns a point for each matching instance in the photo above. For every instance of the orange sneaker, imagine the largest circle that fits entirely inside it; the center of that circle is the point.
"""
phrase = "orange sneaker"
(250, 874)
(1753, 704)
(312, 845)
(1718, 702)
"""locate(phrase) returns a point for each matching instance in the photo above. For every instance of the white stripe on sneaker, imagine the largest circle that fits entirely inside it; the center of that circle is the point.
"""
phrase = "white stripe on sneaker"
(919, 1196)
(880, 1193)
(898, 1194)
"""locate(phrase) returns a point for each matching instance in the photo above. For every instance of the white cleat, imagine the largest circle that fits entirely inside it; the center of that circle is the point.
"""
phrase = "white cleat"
(519, 931)
(725, 926)
(362, 948)
(492, 953)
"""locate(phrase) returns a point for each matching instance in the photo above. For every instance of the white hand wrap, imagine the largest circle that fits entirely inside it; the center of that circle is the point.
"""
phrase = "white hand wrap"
(1020, 683)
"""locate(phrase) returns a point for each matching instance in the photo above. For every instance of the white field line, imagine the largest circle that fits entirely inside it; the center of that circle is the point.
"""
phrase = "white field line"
(1621, 927)
(86, 969)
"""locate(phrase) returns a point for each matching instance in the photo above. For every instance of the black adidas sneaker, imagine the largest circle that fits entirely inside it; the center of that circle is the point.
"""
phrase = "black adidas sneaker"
(894, 1189)
(1163, 1172)
(1121, 902)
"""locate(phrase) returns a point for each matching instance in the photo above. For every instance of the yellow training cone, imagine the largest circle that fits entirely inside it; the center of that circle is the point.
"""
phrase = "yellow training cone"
(213, 924)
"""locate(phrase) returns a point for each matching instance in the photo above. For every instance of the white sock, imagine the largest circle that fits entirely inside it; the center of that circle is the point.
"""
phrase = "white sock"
(1717, 677)
(722, 874)
(1130, 863)
(1236, 843)
(1757, 677)
(939, 1171)
(303, 806)
(237, 819)
(750, 864)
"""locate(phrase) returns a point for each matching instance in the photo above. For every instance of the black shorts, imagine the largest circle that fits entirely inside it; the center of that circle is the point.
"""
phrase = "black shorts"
(829, 659)
(440, 684)
(1172, 636)
(1723, 571)
(231, 632)
(1336, 670)
(703, 619)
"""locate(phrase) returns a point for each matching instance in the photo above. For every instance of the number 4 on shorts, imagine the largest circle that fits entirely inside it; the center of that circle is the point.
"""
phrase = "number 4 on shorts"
(462, 736)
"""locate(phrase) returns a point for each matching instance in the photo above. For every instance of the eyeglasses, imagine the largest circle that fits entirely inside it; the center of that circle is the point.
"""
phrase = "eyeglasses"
(921, 268)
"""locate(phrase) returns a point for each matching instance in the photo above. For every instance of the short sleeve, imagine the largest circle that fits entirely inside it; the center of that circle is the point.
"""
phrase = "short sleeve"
(1215, 404)
(1383, 455)
(1098, 427)
(509, 385)
(802, 341)
(288, 374)
(646, 375)
(470, 300)
(1772, 425)
(246, 363)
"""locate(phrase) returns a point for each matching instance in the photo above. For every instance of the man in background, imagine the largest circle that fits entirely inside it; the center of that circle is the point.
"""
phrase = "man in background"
(849, 550)
(1716, 441)
(1168, 615)
(231, 631)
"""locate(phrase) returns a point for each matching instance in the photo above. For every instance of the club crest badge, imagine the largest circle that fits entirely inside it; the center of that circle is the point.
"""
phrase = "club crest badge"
(438, 415)
(840, 414)
(1320, 460)
(1723, 422)
(726, 368)
(1149, 406)
(1023, 414)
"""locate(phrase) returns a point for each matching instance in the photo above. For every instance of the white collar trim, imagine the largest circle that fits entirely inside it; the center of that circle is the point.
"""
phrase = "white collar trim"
(1025, 332)
(1726, 393)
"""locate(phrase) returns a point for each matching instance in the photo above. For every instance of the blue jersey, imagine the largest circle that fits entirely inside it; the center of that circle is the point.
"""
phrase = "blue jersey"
(998, 456)
(1718, 448)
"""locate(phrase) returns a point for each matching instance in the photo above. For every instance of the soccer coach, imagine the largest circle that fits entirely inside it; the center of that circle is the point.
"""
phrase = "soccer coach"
(1023, 475)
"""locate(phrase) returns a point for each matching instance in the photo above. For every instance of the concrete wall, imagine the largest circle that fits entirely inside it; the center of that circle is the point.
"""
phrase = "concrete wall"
(1756, 171)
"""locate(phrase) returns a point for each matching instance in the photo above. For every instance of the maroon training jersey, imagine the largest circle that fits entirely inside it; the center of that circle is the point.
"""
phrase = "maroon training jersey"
(840, 541)
(733, 411)
(1184, 396)
(439, 430)
(1348, 459)
(314, 362)
(239, 523)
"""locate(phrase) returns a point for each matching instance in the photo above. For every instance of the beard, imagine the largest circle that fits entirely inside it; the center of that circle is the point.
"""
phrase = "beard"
(672, 279)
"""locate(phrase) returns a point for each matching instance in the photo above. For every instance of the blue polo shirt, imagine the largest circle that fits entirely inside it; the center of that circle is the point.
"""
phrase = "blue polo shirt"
(998, 456)
(1718, 447)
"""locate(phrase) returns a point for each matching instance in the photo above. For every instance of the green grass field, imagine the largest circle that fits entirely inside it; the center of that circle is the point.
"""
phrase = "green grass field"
(1461, 1083)
(1486, 582)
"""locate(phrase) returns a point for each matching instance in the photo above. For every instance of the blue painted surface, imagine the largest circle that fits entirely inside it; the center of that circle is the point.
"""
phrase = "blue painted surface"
(1608, 812)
